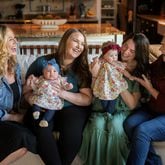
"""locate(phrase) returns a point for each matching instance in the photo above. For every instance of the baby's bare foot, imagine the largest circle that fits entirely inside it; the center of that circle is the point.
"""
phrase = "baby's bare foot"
(43, 123)
(36, 115)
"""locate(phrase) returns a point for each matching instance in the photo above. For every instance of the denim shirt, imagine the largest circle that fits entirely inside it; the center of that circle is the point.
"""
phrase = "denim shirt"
(6, 93)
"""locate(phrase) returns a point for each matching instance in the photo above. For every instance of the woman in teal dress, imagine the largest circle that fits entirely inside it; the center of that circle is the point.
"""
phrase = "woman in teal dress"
(104, 139)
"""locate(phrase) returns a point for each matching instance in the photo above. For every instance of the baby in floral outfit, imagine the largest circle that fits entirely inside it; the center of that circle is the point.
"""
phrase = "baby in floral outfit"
(109, 82)
(44, 95)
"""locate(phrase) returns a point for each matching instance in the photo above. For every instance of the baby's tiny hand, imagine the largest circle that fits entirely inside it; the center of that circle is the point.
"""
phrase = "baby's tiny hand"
(119, 65)
(70, 85)
(94, 67)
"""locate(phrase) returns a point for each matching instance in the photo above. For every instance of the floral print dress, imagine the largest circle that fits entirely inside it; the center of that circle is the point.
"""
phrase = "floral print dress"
(45, 96)
(109, 82)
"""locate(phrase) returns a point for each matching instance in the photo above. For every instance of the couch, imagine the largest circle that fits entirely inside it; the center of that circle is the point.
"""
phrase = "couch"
(25, 60)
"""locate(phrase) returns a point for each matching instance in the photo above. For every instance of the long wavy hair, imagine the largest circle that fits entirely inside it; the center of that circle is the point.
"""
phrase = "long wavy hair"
(80, 64)
(141, 53)
(7, 61)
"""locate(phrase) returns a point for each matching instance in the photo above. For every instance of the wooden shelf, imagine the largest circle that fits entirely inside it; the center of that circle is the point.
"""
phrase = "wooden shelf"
(109, 11)
(109, 8)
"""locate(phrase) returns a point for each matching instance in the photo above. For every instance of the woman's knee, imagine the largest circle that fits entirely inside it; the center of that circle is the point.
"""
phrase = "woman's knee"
(132, 121)
(14, 156)
(141, 132)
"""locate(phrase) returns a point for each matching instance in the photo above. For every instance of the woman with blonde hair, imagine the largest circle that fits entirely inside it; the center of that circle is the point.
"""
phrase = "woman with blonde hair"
(14, 136)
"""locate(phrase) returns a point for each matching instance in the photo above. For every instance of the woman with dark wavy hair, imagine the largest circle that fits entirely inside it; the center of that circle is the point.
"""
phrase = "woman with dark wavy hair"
(104, 139)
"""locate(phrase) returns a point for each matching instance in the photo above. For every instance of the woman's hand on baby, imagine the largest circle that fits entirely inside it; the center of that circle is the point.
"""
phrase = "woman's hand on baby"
(29, 84)
(94, 66)
(119, 65)
(128, 75)
(57, 88)
(69, 86)
(31, 80)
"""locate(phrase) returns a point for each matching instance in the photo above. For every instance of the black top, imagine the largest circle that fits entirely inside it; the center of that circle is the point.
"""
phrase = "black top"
(16, 94)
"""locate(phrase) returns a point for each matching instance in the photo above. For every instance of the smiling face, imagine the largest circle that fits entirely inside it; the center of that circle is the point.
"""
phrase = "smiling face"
(128, 54)
(128, 51)
(8, 51)
(10, 42)
(74, 45)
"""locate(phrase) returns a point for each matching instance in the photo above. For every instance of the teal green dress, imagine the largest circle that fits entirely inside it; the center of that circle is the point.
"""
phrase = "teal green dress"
(104, 139)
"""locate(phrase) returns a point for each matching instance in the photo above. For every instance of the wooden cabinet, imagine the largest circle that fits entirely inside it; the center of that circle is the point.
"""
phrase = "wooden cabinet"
(109, 11)
(149, 28)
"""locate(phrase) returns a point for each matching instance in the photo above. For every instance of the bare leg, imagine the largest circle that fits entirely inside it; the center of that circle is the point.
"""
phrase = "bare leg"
(14, 156)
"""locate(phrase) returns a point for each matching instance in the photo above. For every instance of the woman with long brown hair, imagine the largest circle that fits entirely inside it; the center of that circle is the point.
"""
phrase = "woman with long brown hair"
(70, 121)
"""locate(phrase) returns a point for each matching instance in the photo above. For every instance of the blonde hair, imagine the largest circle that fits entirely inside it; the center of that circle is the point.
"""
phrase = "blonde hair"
(7, 61)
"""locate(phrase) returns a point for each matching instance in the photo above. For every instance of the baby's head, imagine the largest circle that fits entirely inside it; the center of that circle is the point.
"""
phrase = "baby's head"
(50, 69)
(110, 50)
